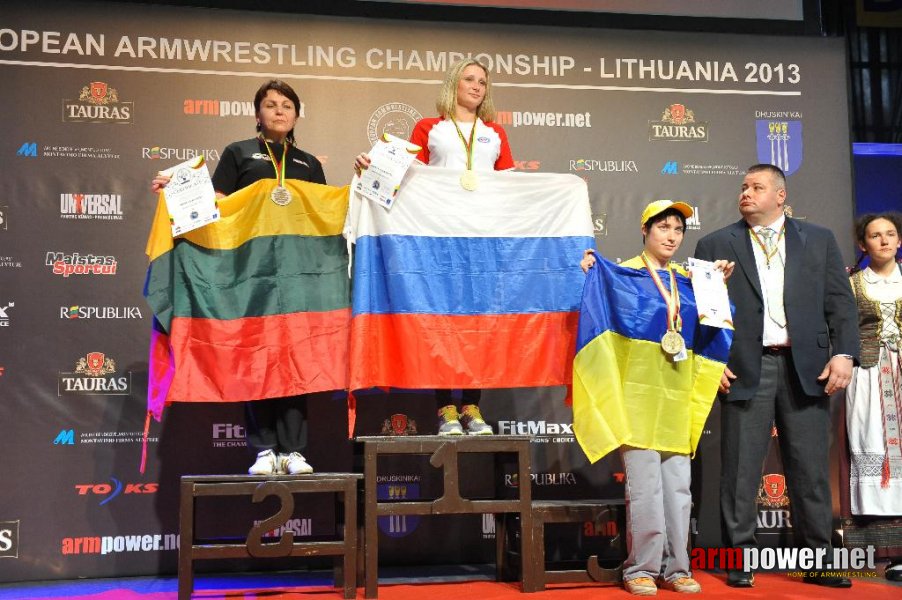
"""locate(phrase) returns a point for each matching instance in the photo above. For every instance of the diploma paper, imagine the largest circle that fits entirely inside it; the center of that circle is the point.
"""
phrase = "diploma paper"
(190, 197)
(389, 160)
(710, 294)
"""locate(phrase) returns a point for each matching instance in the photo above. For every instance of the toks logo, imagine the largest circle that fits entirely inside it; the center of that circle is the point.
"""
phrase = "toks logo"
(114, 489)
(97, 103)
(677, 124)
(107, 207)
(80, 264)
(95, 374)
(4, 316)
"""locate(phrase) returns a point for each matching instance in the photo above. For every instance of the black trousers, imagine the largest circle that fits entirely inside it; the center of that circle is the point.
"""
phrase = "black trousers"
(803, 426)
(443, 397)
(278, 424)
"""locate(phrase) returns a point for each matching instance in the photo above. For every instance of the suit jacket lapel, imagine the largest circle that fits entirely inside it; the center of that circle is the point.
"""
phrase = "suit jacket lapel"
(795, 251)
(741, 242)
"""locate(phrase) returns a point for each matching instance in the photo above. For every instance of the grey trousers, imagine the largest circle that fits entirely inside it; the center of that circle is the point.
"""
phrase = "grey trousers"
(658, 502)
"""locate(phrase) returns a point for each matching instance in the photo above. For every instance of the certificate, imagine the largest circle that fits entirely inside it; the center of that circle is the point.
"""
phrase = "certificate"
(711, 297)
(389, 160)
(190, 197)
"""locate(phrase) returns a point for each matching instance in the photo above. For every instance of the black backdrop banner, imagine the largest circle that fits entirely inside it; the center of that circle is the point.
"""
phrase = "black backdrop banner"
(98, 97)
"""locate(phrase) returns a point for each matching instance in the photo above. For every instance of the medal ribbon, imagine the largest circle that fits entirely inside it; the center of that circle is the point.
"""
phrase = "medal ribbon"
(768, 254)
(468, 146)
(278, 165)
(671, 298)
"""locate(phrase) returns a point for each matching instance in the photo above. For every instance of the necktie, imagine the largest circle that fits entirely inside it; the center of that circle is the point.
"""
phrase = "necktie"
(773, 277)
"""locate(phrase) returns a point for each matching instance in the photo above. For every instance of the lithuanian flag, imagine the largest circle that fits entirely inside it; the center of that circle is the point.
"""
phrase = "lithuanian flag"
(254, 306)
(626, 390)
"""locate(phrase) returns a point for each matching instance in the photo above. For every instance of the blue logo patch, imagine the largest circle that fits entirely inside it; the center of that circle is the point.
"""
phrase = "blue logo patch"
(780, 143)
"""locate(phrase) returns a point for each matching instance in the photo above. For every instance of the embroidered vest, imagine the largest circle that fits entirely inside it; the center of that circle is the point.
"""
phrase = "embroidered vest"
(870, 321)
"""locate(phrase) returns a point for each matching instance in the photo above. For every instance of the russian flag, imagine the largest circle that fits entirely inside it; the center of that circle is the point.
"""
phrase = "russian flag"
(459, 289)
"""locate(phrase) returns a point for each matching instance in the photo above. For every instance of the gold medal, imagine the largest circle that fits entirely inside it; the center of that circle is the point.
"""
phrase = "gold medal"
(280, 195)
(469, 180)
(673, 343)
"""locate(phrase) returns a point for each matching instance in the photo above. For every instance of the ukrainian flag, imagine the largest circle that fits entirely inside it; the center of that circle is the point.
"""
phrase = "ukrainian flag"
(254, 306)
(626, 390)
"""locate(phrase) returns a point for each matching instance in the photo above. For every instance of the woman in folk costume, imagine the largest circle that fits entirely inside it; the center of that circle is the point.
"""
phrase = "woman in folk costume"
(644, 379)
(465, 137)
(874, 397)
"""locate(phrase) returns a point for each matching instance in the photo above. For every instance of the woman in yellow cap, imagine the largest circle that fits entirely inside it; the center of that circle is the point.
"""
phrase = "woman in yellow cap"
(658, 499)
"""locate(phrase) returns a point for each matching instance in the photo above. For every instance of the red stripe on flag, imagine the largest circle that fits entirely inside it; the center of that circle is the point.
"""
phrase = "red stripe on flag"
(259, 357)
(423, 351)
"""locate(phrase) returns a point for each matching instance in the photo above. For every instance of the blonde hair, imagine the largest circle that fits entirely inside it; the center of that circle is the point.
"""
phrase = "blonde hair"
(447, 98)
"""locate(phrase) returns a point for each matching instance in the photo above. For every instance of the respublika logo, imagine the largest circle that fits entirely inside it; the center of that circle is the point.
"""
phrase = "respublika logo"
(396, 118)
(104, 207)
(80, 264)
(107, 492)
(100, 312)
(28, 149)
(780, 143)
(9, 539)
(562, 478)
(677, 124)
(604, 165)
(97, 103)
(4, 313)
(223, 108)
(180, 154)
(518, 118)
(94, 374)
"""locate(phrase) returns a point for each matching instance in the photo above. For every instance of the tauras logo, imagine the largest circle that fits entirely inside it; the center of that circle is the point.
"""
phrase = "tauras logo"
(97, 103)
(95, 374)
(534, 428)
(677, 124)
(80, 264)
(9, 539)
(100, 312)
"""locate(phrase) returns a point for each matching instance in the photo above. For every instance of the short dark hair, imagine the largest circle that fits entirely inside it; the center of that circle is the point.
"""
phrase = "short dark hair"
(861, 224)
(774, 170)
(662, 216)
(286, 90)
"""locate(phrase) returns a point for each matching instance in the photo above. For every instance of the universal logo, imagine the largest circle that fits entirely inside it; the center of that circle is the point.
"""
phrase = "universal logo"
(396, 118)
(98, 103)
(677, 124)
(95, 375)
(104, 207)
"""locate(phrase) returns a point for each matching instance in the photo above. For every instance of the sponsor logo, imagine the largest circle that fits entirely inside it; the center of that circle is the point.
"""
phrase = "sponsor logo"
(671, 167)
(396, 118)
(229, 435)
(3, 217)
(604, 166)
(772, 491)
(9, 539)
(710, 169)
(117, 544)
(223, 108)
(61, 151)
(813, 560)
(512, 480)
(694, 222)
(97, 103)
(115, 488)
(10, 262)
(100, 312)
(113, 437)
(4, 314)
(606, 528)
(28, 149)
(80, 264)
(527, 165)
(2, 371)
(296, 526)
(677, 124)
(488, 526)
(66, 437)
(600, 224)
(180, 154)
(95, 374)
(106, 207)
(398, 488)
(543, 119)
(780, 143)
(542, 431)
(399, 424)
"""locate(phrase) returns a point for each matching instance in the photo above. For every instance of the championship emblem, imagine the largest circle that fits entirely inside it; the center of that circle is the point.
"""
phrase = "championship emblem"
(772, 492)
(399, 424)
(780, 144)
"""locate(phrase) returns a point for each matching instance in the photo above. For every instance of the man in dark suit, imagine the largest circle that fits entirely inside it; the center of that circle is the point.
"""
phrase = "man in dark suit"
(795, 343)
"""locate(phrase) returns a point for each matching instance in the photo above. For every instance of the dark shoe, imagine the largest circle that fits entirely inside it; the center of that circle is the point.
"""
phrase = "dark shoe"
(740, 579)
(833, 582)
(894, 572)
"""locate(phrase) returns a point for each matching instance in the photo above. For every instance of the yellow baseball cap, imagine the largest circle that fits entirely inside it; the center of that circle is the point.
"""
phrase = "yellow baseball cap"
(659, 206)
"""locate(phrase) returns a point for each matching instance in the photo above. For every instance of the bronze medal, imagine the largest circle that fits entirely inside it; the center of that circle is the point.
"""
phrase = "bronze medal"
(673, 343)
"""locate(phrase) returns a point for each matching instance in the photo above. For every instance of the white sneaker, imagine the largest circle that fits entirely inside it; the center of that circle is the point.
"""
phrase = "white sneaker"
(266, 464)
(294, 464)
